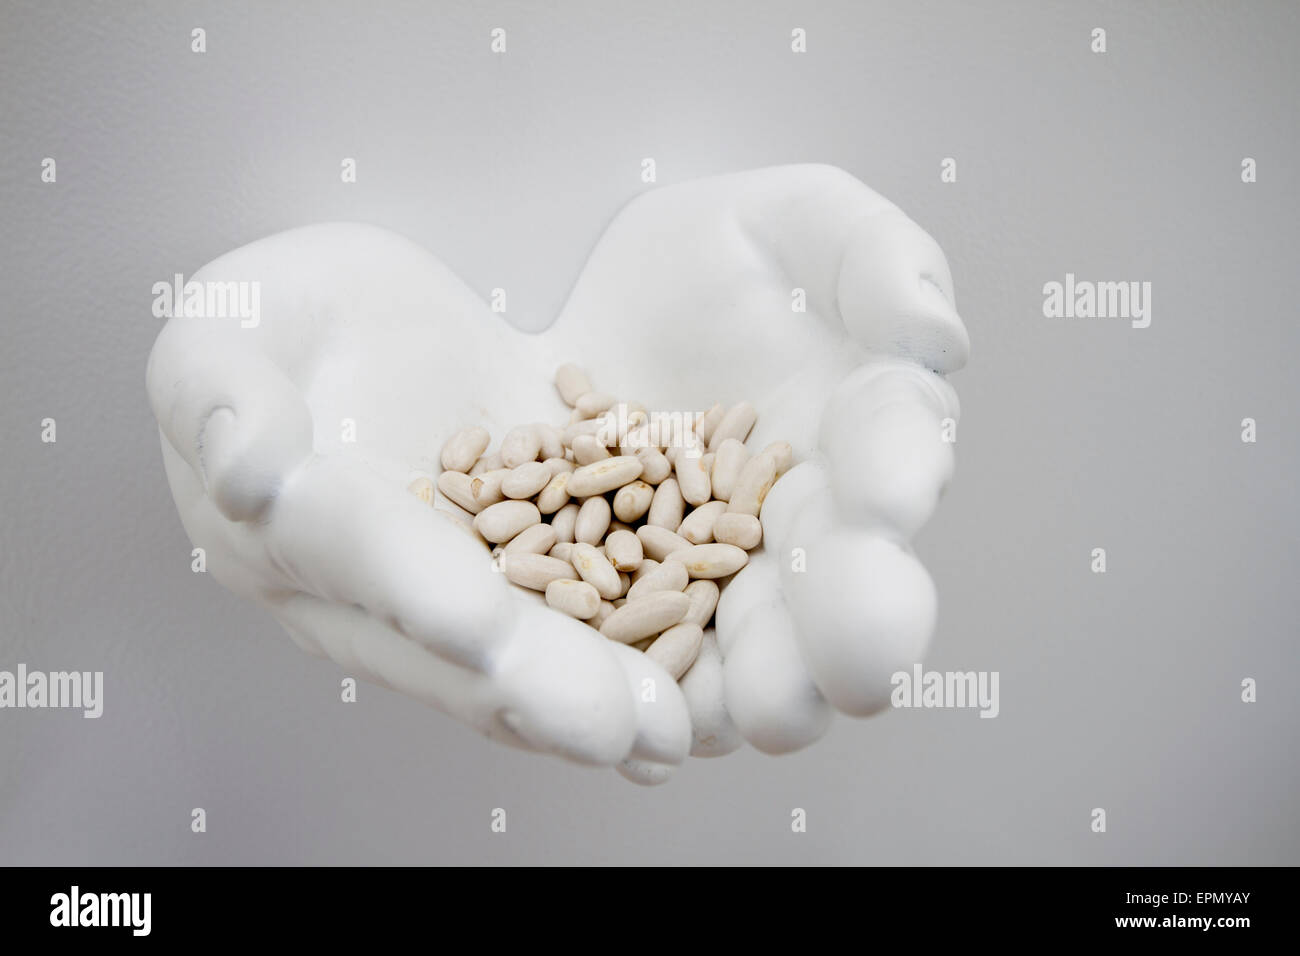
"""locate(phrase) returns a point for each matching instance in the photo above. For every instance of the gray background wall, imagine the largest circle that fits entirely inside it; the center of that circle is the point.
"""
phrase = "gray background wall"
(1118, 690)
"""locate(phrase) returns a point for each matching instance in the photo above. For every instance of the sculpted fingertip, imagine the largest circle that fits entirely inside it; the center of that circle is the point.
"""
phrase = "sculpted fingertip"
(865, 610)
(767, 688)
(663, 723)
(646, 773)
(894, 294)
(713, 732)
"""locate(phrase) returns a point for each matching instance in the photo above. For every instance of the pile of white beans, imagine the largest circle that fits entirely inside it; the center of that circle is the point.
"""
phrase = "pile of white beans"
(594, 515)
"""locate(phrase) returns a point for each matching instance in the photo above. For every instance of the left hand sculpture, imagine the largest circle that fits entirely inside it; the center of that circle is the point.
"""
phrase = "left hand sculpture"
(686, 300)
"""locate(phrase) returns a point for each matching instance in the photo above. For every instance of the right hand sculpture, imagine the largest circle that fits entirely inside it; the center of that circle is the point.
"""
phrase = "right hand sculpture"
(686, 300)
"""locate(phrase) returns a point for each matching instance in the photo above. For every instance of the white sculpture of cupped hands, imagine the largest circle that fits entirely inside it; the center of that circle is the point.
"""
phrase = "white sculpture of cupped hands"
(289, 445)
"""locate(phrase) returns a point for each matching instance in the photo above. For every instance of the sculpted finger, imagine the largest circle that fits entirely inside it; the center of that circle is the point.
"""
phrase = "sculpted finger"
(768, 690)
(564, 691)
(895, 294)
(887, 434)
(663, 724)
(865, 609)
(342, 533)
(713, 732)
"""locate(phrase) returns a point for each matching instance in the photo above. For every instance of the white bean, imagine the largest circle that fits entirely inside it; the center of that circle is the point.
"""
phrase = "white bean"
(575, 598)
(539, 539)
(587, 450)
(603, 476)
(654, 466)
(463, 449)
(526, 480)
(669, 576)
(592, 427)
(697, 527)
(782, 456)
(502, 521)
(623, 548)
(592, 521)
(736, 423)
(647, 566)
(729, 459)
(704, 601)
(637, 439)
(632, 501)
(572, 383)
(677, 648)
(564, 522)
(555, 495)
(667, 506)
(535, 571)
(520, 445)
(638, 619)
(709, 423)
(593, 403)
(711, 560)
(742, 530)
(693, 477)
(752, 485)
(486, 488)
(595, 569)
(606, 609)
(489, 462)
(658, 542)
(456, 486)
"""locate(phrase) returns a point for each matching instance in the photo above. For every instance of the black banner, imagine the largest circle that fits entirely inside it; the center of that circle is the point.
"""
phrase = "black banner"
(331, 905)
